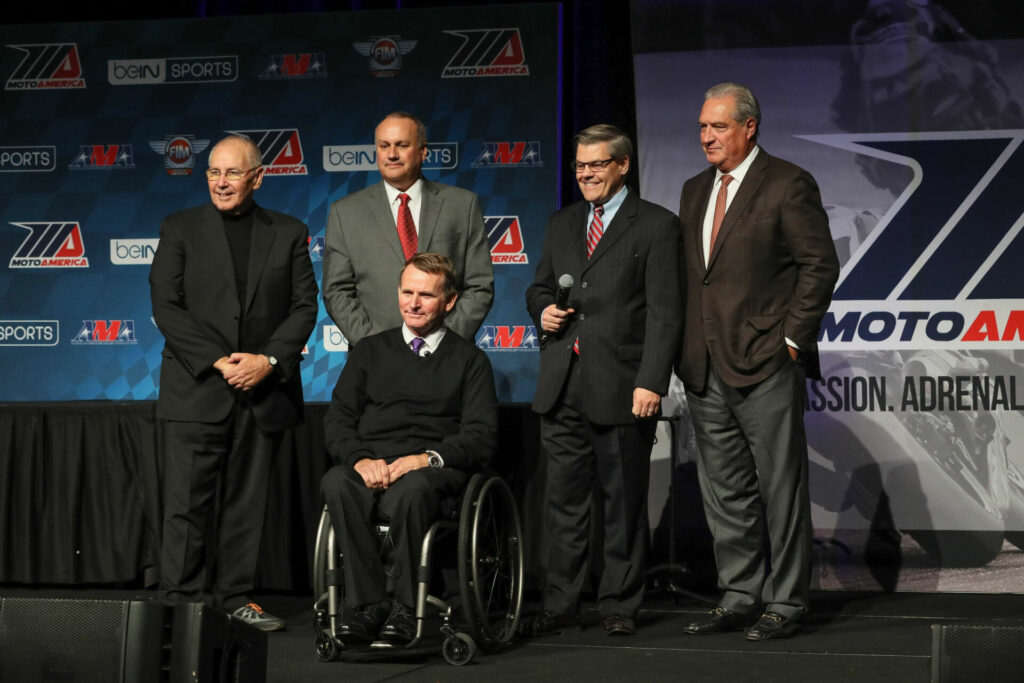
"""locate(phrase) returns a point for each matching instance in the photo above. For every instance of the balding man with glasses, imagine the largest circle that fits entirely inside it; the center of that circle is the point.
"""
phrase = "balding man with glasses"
(605, 362)
(235, 297)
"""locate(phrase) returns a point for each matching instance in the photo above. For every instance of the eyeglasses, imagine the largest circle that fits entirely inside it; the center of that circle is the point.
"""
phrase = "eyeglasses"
(230, 174)
(595, 166)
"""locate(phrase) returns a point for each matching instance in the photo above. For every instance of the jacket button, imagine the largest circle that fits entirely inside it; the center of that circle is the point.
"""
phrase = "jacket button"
(584, 285)
(707, 282)
(583, 316)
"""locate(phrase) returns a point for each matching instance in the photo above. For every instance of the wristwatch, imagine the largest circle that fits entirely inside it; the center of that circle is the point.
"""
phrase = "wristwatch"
(435, 460)
(271, 360)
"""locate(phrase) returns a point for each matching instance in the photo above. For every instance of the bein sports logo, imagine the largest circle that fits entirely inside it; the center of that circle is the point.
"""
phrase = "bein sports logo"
(171, 70)
(50, 66)
(334, 340)
(50, 245)
(507, 338)
(132, 252)
(385, 53)
(179, 152)
(301, 65)
(348, 158)
(941, 269)
(281, 150)
(103, 157)
(505, 154)
(505, 238)
(487, 52)
(96, 332)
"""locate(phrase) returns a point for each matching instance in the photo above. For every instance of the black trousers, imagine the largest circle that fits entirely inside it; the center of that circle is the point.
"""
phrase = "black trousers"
(411, 504)
(752, 467)
(619, 456)
(215, 483)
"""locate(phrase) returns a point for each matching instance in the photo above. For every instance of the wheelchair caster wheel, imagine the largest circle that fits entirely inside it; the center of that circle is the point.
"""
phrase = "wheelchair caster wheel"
(327, 649)
(459, 650)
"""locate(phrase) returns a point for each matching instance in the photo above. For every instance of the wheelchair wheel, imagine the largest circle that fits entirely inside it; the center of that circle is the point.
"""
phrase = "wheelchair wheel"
(320, 556)
(491, 563)
(459, 649)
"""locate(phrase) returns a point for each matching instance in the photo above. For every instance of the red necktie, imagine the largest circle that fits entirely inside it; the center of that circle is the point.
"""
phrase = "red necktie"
(595, 230)
(406, 228)
(716, 223)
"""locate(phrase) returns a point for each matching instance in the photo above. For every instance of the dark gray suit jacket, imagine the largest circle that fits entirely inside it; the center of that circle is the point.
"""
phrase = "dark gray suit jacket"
(195, 305)
(771, 275)
(627, 298)
(363, 258)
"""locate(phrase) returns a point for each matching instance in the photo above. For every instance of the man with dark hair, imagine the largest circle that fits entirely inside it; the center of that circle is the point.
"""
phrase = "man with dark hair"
(371, 233)
(760, 267)
(234, 295)
(605, 363)
(413, 415)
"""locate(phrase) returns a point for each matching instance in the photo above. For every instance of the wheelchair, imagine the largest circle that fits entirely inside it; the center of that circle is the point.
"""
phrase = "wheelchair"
(490, 576)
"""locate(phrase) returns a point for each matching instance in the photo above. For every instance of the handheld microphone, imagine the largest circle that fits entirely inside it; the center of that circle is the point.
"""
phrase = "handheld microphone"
(565, 283)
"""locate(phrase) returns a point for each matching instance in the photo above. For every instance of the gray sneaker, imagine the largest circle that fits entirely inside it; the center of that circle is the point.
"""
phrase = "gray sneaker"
(254, 615)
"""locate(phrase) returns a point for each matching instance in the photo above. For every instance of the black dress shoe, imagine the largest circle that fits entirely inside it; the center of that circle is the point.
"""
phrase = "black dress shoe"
(719, 620)
(365, 624)
(619, 625)
(551, 623)
(772, 626)
(400, 628)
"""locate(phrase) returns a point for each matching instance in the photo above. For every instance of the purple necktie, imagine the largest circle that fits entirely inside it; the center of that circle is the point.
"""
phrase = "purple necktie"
(417, 344)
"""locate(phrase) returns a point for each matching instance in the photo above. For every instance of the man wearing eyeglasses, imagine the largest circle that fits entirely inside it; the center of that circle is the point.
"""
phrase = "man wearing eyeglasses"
(605, 362)
(371, 233)
(234, 295)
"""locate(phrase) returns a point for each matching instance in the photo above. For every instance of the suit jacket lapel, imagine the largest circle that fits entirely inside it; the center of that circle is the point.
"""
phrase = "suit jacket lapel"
(430, 211)
(384, 220)
(263, 234)
(748, 188)
(697, 212)
(617, 228)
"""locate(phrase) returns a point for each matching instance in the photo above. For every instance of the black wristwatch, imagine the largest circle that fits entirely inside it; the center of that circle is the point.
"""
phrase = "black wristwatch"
(272, 361)
(435, 460)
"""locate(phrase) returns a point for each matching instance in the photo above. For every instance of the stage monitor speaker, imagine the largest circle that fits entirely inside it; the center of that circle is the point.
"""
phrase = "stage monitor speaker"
(125, 641)
(970, 653)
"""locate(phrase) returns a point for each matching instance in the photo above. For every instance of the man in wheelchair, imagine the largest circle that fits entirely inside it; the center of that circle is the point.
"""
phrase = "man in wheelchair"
(413, 415)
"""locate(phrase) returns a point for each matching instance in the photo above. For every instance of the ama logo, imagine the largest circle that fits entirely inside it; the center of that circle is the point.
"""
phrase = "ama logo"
(507, 338)
(179, 152)
(281, 150)
(509, 154)
(505, 238)
(385, 53)
(941, 269)
(302, 65)
(51, 245)
(103, 157)
(106, 332)
(51, 66)
(487, 52)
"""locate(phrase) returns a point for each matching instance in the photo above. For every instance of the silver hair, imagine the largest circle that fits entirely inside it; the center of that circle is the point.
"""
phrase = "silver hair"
(619, 144)
(252, 149)
(747, 106)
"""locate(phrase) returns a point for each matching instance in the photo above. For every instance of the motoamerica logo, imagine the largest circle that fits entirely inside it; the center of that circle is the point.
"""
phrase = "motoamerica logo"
(385, 53)
(941, 270)
(281, 150)
(507, 338)
(50, 245)
(487, 52)
(47, 66)
(505, 238)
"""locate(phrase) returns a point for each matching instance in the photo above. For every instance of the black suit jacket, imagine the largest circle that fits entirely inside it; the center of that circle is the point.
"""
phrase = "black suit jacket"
(771, 275)
(196, 307)
(627, 300)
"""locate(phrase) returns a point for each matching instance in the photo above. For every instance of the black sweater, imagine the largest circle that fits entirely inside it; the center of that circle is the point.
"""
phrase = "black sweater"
(389, 402)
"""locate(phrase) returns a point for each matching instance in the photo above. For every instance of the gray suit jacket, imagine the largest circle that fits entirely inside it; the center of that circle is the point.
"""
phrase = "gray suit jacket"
(363, 258)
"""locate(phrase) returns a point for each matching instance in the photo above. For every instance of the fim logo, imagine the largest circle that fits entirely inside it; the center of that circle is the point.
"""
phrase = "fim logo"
(385, 53)
(505, 238)
(316, 248)
(302, 65)
(334, 340)
(106, 332)
(281, 150)
(487, 52)
(507, 338)
(53, 66)
(509, 154)
(179, 152)
(51, 245)
(102, 157)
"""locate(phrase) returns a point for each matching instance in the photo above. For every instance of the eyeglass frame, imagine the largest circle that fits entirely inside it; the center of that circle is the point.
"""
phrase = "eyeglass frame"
(226, 174)
(579, 166)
